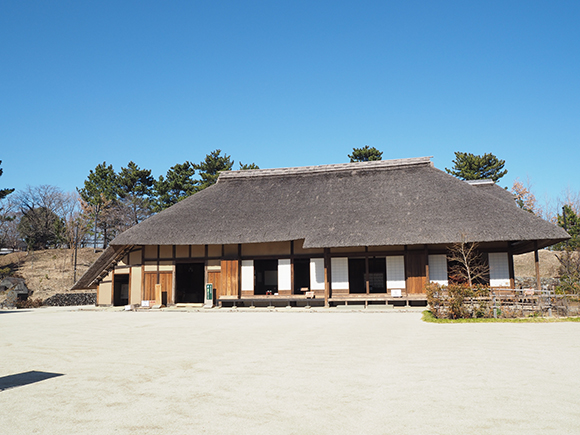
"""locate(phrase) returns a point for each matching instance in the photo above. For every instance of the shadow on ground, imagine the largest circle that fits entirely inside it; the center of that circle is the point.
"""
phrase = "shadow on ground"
(20, 379)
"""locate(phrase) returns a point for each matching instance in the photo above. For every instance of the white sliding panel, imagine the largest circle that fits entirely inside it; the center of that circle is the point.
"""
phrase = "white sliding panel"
(284, 275)
(396, 271)
(499, 273)
(248, 275)
(438, 269)
(339, 271)
(317, 274)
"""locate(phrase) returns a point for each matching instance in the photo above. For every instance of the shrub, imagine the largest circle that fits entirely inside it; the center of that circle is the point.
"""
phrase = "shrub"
(29, 303)
(5, 272)
(458, 301)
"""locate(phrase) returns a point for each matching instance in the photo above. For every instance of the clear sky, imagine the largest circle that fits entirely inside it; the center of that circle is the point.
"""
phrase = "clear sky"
(288, 83)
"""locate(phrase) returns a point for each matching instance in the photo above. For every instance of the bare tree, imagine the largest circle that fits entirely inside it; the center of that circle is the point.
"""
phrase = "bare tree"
(9, 219)
(76, 222)
(467, 263)
(525, 199)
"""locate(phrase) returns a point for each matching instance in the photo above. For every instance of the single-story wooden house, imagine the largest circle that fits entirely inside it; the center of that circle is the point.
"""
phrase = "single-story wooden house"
(373, 231)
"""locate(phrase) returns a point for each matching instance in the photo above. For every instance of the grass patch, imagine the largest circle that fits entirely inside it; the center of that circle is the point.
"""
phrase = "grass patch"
(428, 317)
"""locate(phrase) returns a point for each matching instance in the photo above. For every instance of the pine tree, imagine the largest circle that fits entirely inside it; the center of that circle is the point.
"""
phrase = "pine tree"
(570, 221)
(99, 193)
(4, 192)
(210, 168)
(245, 167)
(467, 166)
(177, 185)
(365, 154)
(135, 188)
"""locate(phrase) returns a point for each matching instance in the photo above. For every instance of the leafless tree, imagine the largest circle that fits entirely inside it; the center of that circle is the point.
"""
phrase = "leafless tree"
(9, 219)
(467, 263)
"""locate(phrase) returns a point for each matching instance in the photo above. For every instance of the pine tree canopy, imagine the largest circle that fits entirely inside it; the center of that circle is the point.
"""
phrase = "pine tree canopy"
(245, 167)
(210, 168)
(100, 186)
(365, 154)
(178, 184)
(570, 221)
(4, 192)
(467, 166)
(133, 181)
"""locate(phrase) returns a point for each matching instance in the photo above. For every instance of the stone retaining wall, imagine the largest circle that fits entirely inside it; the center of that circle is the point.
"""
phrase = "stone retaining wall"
(70, 299)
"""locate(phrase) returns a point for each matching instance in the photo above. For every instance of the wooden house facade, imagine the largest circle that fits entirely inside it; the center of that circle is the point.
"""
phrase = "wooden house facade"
(332, 234)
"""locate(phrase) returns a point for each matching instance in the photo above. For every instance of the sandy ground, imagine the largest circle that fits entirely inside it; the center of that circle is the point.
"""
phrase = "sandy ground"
(297, 372)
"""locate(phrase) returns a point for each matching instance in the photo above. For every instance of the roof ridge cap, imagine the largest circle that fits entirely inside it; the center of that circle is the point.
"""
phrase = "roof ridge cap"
(320, 169)
(480, 181)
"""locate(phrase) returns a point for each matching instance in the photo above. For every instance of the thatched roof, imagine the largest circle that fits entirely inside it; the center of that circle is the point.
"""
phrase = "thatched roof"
(391, 202)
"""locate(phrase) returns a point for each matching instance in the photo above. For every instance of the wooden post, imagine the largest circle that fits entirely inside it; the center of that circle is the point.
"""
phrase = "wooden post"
(537, 261)
(327, 273)
(511, 268)
(239, 270)
(158, 297)
(427, 280)
(292, 290)
(367, 283)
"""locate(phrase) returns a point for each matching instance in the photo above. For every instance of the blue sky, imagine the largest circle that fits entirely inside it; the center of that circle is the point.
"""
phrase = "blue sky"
(288, 83)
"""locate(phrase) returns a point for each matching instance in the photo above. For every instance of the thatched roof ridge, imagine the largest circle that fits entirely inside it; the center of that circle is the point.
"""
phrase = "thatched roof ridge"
(325, 169)
(402, 202)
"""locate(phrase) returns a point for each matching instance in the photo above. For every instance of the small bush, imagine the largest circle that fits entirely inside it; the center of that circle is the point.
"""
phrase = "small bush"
(458, 301)
(29, 303)
(5, 272)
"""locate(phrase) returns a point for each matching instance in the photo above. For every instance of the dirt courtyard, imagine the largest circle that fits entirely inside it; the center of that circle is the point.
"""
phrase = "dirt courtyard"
(65, 371)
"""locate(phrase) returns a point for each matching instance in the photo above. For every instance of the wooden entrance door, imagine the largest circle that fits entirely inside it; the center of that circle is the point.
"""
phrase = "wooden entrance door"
(229, 278)
(416, 272)
(166, 281)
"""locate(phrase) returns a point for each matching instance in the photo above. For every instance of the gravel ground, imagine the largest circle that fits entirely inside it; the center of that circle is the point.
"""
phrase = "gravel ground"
(296, 372)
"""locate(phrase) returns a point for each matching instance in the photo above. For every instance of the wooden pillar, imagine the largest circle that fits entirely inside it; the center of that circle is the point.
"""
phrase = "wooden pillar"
(427, 280)
(406, 265)
(537, 261)
(511, 268)
(367, 278)
(327, 273)
(205, 264)
(158, 254)
(239, 270)
(292, 267)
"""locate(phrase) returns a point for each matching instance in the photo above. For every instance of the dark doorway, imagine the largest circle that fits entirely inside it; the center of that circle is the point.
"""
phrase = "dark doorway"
(266, 273)
(301, 274)
(189, 283)
(121, 290)
(356, 275)
(377, 275)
